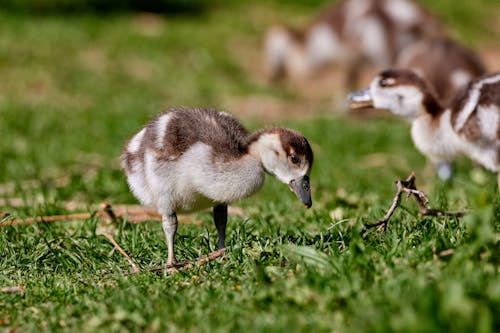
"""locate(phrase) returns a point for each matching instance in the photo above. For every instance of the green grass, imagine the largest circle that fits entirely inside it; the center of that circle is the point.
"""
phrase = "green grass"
(73, 89)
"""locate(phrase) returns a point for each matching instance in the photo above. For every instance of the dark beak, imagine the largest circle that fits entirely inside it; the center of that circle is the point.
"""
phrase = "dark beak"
(302, 189)
(360, 99)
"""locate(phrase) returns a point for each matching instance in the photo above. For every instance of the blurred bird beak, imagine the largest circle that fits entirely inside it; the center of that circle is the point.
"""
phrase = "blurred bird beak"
(360, 99)
(302, 189)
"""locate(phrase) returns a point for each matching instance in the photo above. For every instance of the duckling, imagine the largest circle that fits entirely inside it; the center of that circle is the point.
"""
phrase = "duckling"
(191, 159)
(470, 126)
(351, 34)
(444, 63)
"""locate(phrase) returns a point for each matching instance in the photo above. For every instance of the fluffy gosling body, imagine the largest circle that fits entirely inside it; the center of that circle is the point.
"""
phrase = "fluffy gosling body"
(190, 159)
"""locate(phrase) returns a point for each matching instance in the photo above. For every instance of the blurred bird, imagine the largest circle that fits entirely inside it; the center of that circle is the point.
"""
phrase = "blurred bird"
(470, 126)
(190, 159)
(351, 34)
(444, 63)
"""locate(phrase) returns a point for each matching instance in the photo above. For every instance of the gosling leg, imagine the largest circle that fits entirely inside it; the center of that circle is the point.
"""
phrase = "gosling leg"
(170, 228)
(445, 170)
(220, 220)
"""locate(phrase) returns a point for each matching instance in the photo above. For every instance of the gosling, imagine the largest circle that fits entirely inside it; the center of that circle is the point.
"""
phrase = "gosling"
(186, 160)
(470, 126)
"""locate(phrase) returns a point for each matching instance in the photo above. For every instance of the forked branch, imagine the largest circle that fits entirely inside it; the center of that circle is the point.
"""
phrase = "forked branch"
(408, 186)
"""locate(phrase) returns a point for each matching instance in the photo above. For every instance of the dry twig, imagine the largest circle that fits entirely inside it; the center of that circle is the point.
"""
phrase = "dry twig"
(408, 186)
(105, 231)
(14, 289)
(40, 219)
(132, 213)
(188, 264)
(135, 269)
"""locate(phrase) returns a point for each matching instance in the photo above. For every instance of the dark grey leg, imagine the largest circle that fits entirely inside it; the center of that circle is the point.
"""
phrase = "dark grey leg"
(170, 227)
(220, 220)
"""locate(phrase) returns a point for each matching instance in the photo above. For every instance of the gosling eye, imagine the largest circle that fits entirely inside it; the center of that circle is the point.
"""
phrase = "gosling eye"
(294, 159)
(386, 82)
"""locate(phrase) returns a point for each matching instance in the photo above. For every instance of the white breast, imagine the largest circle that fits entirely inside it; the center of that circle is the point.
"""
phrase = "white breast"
(441, 144)
(197, 180)
(438, 142)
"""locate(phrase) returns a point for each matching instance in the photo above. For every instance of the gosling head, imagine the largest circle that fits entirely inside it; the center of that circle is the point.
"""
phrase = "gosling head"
(287, 155)
(400, 91)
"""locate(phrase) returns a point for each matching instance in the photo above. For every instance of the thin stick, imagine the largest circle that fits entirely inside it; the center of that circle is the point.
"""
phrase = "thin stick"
(435, 212)
(133, 214)
(135, 269)
(382, 223)
(201, 261)
(426, 211)
(15, 289)
(40, 219)
(15, 202)
(408, 186)
(106, 209)
(106, 212)
(211, 256)
(188, 264)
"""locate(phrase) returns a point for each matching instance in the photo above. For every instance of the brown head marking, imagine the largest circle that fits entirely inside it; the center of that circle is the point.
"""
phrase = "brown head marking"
(294, 143)
(393, 77)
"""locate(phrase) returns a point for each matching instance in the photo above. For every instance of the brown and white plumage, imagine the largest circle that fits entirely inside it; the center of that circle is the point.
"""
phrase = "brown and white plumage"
(349, 33)
(470, 126)
(190, 159)
(444, 63)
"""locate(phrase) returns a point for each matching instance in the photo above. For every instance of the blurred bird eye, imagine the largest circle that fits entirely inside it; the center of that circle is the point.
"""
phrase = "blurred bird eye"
(386, 82)
(294, 159)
